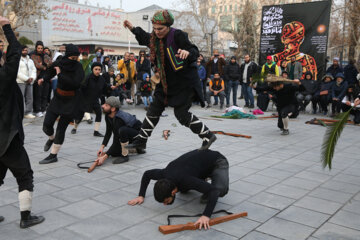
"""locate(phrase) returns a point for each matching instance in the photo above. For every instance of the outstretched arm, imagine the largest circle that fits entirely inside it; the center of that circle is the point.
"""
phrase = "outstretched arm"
(141, 36)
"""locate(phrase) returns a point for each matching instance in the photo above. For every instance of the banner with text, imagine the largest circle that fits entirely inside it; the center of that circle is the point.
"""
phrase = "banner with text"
(299, 30)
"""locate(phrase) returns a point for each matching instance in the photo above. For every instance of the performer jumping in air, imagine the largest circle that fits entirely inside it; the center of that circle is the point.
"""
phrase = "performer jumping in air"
(174, 57)
(92, 89)
(188, 173)
(13, 155)
(65, 102)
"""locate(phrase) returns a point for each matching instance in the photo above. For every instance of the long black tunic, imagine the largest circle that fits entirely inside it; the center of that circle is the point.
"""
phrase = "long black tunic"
(188, 172)
(180, 82)
(11, 99)
(70, 78)
(92, 89)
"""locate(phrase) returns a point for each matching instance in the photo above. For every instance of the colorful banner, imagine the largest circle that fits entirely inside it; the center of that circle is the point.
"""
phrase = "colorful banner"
(299, 30)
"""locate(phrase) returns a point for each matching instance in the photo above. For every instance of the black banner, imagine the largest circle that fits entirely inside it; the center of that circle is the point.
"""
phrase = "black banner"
(299, 30)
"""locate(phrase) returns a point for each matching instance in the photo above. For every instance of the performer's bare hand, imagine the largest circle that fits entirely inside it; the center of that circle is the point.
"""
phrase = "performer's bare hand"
(100, 152)
(139, 200)
(57, 70)
(4, 21)
(128, 25)
(348, 103)
(101, 159)
(297, 81)
(40, 81)
(30, 80)
(182, 54)
(203, 221)
(356, 102)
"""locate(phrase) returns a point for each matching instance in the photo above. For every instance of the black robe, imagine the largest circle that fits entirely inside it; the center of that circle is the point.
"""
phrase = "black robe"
(70, 78)
(180, 82)
(91, 90)
(11, 99)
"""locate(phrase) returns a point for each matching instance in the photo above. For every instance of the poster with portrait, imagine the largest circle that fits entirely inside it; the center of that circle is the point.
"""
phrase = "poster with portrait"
(299, 30)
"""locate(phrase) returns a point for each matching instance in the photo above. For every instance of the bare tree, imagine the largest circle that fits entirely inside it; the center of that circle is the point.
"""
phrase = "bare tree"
(353, 19)
(23, 12)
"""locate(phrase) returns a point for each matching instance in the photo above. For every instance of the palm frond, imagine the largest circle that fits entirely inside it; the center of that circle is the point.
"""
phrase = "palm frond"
(86, 63)
(331, 137)
(258, 77)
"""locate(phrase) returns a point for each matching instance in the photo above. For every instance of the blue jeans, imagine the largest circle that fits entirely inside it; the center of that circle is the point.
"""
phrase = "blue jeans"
(231, 85)
(248, 94)
(145, 100)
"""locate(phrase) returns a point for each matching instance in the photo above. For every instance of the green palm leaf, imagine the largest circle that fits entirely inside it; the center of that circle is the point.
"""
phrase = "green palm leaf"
(331, 137)
(86, 63)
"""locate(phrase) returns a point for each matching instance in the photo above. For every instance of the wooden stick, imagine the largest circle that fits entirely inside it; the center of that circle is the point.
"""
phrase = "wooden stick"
(231, 134)
(210, 118)
(93, 166)
(167, 229)
(267, 117)
(273, 78)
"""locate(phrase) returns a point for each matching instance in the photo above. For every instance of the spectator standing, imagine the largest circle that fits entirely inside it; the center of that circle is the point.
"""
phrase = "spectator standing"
(146, 89)
(294, 69)
(127, 67)
(25, 78)
(202, 76)
(142, 66)
(216, 64)
(335, 68)
(247, 70)
(232, 78)
(350, 73)
(99, 55)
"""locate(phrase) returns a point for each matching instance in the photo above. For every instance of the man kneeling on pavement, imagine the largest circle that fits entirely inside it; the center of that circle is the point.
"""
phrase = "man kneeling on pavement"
(189, 172)
(124, 126)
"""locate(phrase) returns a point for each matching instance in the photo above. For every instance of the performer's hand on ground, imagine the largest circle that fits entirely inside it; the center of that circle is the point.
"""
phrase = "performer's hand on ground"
(139, 200)
(57, 70)
(101, 159)
(40, 81)
(4, 21)
(128, 25)
(182, 54)
(203, 221)
(100, 152)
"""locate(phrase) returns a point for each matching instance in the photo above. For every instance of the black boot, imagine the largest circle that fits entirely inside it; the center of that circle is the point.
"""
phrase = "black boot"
(204, 133)
(2, 218)
(97, 134)
(140, 151)
(73, 131)
(139, 143)
(121, 159)
(27, 220)
(49, 159)
(48, 145)
(207, 141)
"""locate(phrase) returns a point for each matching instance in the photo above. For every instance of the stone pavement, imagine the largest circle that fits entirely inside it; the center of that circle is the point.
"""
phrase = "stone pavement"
(277, 179)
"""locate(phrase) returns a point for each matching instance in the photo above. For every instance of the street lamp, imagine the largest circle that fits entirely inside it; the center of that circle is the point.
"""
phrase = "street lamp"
(211, 41)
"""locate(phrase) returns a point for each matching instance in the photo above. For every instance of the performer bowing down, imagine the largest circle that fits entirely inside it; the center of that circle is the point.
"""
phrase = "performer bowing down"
(174, 57)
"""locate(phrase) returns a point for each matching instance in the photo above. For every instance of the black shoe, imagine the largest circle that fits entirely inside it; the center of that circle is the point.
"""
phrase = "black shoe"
(227, 105)
(31, 221)
(73, 131)
(140, 151)
(48, 145)
(97, 134)
(215, 104)
(49, 159)
(138, 143)
(246, 105)
(89, 121)
(285, 132)
(207, 143)
(251, 106)
(221, 106)
(2, 218)
(121, 159)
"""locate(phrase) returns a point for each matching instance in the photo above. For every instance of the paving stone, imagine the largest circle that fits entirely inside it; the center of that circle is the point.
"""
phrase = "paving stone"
(313, 176)
(247, 187)
(261, 180)
(341, 186)
(7, 197)
(12, 231)
(258, 236)
(47, 202)
(331, 231)
(61, 171)
(76, 193)
(10, 213)
(238, 227)
(287, 191)
(255, 211)
(44, 188)
(304, 216)
(53, 220)
(319, 205)
(115, 198)
(347, 178)
(272, 200)
(346, 219)
(64, 234)
(85, 209)
(285, 229)
(335, 196)
(67, 181)
(352, 206)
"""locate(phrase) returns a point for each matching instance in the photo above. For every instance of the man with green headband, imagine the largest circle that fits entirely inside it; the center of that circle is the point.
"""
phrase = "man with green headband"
(174, 58)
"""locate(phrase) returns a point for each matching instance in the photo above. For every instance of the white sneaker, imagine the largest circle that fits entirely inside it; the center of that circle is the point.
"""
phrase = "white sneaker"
(29, 116)
(39, 114)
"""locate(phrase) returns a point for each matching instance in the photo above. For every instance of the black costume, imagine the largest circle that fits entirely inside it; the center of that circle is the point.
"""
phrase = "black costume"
(66, 100)
(189, 172)
(13, 155)
(183, 87)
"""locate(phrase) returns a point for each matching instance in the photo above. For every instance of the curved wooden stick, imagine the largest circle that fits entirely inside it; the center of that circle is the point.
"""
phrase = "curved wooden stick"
(167, 229)
(93, 166)
(231, 134)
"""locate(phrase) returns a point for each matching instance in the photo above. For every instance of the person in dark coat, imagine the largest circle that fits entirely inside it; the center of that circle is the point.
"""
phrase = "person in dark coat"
(142, 66)
(66, 101)
(232, 79)
(350, 73)
(338, 92)
(175, 59)
(13, 155)
(110, 81)
(335, 68)
(91, 90)
(325, 92)
(146, 90)
(310, 88)
(351, 101)
(247, 70)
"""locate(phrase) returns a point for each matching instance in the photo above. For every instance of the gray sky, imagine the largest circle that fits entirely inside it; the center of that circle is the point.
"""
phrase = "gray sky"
(132, 5)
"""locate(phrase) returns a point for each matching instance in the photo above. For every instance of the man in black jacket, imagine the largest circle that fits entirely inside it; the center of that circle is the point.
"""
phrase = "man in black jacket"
(310, 88)
(66, 101)
(232, 78)
(247, 70)
(13, 155)
(189, 172)
(123, 126)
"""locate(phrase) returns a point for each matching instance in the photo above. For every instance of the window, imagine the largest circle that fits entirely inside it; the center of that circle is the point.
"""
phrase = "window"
(213, 9)
(235, 8)
(220, 9)
(230, 8)
(225, 23)
(225, 9)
